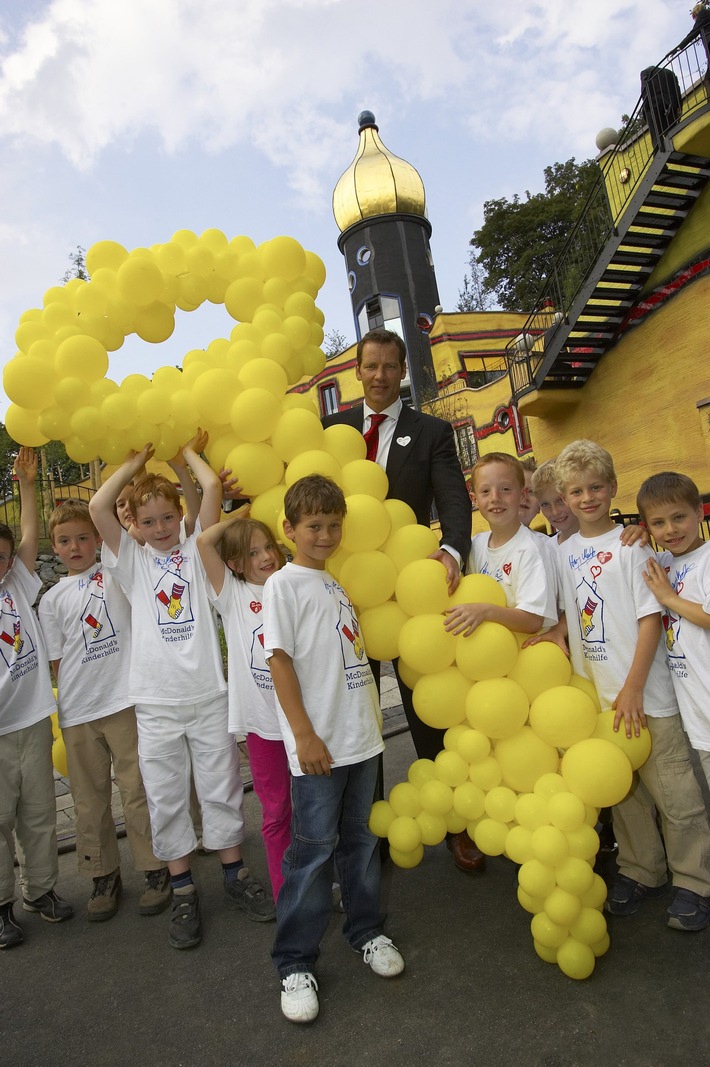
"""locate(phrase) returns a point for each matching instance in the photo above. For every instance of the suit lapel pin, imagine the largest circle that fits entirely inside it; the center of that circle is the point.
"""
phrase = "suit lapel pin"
(403, 441)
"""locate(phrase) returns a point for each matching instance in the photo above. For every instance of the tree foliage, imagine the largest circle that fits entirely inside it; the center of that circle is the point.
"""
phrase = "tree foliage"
(78, 266)
(474, 295)
(521, 239)
(334, 343)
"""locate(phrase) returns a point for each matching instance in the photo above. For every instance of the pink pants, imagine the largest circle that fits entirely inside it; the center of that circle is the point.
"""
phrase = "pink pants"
(272, 783)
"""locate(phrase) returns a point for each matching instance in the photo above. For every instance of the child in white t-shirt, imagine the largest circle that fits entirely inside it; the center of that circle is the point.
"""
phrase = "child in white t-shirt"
(613, 624)
(679, 578)
(27, 803)
(177, 683)
(332, 728)
(239, 555)
(86, 624)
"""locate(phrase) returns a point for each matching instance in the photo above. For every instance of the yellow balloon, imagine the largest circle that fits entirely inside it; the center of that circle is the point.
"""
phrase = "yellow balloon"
(213, 394)
(302, 402)
(283, 257)
(452, 735)
(29, 382)
(369, 579)
(139, 279)
(562, 907)
(562, 716)
(546, 932)
(549, 845)
(478, 589)
(81, 357)
(408, 675)
(523, 758)
(422, 587)
(436, 797)
(155, 322)
(432, 827)
(597, 771)
(367, 524)
(410, 543)
(548, 785)
(254, 414)
(407, 860)
(243, 297)
(267, 506)
(421, 771)
(118, 411)
(575, 960)
(54, 719)
(601, 947)
(450, 768)
(381, 816)
(566, 811)
(596, 894)
(531, 811)
(469, 801)
(297, 430)
(540, 667)
(404, 799)
(486, 773)
(344, 443)
(455, 824)
(586, 687)
(54, 423)
(498, 707)
(490, 836)
(533, 905)
(59, 756)
(426, 646)
(500, 803)
(473, 745)
(489, 652)
(636, 749)
(576, 876)
(87, 423)
(109, 254)
(264, 374)
(439, 697)
(404, 833)
(400, 514)
(547, 955)
(23, 427)
(380, 628)
(314, 461)
(364, 476)
(256, 467)
(518, 844)
(537, 879)
(583, 842)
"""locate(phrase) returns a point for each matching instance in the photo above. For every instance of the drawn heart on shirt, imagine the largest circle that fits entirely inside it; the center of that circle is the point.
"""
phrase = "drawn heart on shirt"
(603, 557)
(403, 440)
(596, 571)
(255, 606)
(507, 567)
(679, 588)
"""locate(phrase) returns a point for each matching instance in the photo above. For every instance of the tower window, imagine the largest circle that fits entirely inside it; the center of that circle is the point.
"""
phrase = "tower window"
(352, 280)
(363, 256)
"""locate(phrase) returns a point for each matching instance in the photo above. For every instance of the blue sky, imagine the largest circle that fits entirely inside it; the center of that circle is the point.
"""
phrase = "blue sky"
(130, 120)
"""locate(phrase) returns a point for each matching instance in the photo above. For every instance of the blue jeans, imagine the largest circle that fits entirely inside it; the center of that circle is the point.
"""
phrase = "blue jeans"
(329, 821)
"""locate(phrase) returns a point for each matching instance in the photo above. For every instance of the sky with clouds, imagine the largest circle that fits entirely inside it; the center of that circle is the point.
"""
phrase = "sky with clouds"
(128, 121)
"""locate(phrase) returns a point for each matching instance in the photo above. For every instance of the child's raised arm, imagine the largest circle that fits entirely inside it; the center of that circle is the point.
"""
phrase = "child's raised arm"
(102, 505)
(207, 545)
(25, 468)
(193, 500)
(657, 581)
(210, 484)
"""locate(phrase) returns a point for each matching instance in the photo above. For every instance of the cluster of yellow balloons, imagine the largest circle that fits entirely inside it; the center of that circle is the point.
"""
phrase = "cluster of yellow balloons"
(529, 759)
(59, 748)
(233, 388)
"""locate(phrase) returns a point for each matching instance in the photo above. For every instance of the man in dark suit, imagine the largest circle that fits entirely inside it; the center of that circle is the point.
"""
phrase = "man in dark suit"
(418, 454)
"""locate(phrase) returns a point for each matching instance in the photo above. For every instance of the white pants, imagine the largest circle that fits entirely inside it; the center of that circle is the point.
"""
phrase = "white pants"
(171, 739)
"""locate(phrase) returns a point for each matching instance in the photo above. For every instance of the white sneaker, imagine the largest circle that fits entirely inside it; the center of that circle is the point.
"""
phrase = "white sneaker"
(384, 958)
(299, 997)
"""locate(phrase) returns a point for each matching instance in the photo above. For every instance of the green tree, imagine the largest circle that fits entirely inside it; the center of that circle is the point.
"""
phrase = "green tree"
(78, 266)
(8, 451)
(473, 295)
(521, 239)
(334, 343)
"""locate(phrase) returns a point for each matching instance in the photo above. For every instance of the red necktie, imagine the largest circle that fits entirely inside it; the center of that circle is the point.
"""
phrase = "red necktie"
(372, 437)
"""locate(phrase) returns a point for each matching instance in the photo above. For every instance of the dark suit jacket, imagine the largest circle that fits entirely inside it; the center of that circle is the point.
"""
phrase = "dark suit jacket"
(423, 467)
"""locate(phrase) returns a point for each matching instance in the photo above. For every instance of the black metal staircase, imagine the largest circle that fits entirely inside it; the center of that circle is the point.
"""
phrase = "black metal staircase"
(644, 194)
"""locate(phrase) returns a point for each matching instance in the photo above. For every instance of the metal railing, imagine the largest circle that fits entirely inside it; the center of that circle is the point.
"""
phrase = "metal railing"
(673, 93)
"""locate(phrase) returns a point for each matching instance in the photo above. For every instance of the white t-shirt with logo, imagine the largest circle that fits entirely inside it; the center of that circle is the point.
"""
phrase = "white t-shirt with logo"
(252, 704)
(687, 645)
(86, 621)
(523, 567)
(175, 657)
(26, 695)
(605, 595)
(310, 616)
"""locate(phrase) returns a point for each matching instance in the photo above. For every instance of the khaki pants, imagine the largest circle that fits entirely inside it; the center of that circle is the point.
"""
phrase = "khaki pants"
(28, 809)
(91, 746)
(665, 783)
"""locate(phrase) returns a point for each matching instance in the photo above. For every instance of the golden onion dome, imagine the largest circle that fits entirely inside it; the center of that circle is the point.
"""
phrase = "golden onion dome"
(377, 182)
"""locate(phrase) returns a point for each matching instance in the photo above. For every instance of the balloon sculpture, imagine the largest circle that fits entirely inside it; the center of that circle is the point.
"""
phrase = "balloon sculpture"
(528, 759)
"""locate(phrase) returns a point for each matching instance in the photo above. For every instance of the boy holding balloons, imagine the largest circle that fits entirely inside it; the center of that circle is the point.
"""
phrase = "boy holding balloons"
(27, 803)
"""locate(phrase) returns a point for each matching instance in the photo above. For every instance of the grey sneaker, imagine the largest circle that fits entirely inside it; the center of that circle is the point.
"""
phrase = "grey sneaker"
(384, 958)
(103, 902)
(10, 932)
(50, 906)
(185, 923)
(157, 894)
(250, 896)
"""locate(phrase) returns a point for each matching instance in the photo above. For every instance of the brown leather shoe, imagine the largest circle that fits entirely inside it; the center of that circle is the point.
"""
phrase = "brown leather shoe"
(467, 856)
